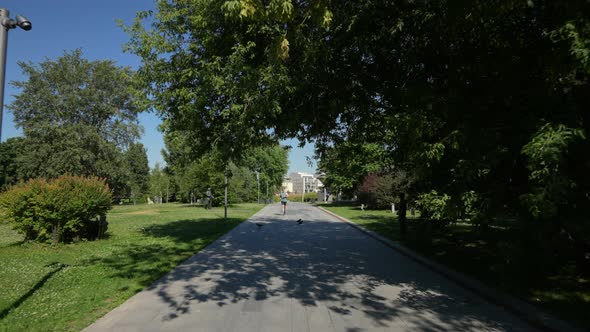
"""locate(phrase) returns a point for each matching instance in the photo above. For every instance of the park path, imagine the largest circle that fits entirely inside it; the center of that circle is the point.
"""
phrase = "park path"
(322, 275)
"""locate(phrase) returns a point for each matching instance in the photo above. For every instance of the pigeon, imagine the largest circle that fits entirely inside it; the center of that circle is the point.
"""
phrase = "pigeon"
(259, 225)
(299, 221)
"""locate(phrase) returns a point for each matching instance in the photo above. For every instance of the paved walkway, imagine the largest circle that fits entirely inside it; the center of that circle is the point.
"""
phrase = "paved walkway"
(322, 275)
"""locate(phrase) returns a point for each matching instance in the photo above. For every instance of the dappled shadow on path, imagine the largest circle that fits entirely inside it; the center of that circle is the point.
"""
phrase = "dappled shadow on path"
(318, 263)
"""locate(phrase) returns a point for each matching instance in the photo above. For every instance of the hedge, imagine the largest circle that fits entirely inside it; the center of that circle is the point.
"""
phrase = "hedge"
(65, 209)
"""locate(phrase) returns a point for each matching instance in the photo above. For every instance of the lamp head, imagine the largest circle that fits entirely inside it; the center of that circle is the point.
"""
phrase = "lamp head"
(23, 23)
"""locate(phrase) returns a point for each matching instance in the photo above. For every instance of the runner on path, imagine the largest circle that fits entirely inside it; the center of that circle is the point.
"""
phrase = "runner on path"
(284, 200)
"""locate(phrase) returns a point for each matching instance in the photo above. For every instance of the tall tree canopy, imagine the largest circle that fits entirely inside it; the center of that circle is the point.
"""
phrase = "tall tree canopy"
(77, 116)
(138, 170)
(478, 96)
(195, 173)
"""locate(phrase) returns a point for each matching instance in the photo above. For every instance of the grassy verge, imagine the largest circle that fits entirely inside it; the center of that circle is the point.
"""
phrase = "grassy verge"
(494, 256)
(67, 287)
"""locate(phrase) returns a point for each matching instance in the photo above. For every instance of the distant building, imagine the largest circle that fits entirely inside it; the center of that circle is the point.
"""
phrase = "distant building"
(303, 182)
(287, 185)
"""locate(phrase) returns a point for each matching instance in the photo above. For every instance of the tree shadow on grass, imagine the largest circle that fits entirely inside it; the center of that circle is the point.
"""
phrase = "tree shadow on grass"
(319, 263)
(55, 268)
(188, 230)
(146, 262)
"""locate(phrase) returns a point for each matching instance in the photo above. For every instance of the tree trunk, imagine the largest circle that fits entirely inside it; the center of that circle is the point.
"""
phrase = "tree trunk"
(55, 234)
(401, 215)
(167, 192)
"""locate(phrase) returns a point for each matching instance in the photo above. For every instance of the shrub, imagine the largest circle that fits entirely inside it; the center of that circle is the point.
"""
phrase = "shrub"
(63, 209)
(376, 191)
(309, 197)
(434, 206)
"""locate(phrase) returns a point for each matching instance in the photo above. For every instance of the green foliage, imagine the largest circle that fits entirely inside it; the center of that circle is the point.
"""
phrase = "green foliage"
(451, 92)
(470, 205)
(575, 33)
(546, 154)
(61, 209)
(307, 197)
(346, 164)
(271, 161)
(9, 151)
(433, 205)
(138, 176)
(74, 91)
(195, 173)
(77, 116)
(547, 148)
(160, 183)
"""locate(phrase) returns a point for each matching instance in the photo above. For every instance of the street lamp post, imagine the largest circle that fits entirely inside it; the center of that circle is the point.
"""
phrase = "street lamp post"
(225, 173)
(258, 181)
(303, 193)
(7, 24)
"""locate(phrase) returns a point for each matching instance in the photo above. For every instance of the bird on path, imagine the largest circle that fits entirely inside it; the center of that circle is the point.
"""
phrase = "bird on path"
(299, 221)
(259, 225)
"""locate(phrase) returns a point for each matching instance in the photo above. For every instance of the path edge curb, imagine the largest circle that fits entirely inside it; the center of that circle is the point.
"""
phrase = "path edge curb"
(523, 310)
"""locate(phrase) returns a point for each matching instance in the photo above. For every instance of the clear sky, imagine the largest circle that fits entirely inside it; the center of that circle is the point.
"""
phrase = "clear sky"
(65, 25)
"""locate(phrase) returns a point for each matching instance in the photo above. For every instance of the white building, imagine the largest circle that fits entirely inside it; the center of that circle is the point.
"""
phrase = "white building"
(303, 182)
(287, 185)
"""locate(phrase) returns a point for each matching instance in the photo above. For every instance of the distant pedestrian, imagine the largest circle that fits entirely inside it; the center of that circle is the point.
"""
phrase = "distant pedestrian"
(284, 196)
(209, 198)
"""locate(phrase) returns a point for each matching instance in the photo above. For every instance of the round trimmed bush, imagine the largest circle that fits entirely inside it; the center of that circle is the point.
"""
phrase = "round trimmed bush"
(61, 210)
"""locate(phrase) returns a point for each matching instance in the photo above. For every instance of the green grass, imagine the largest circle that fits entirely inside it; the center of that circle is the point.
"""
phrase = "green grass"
(67, 287)
(494, 256)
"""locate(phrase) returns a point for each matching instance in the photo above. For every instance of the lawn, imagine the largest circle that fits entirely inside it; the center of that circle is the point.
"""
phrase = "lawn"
(493, 256)
(67, 287)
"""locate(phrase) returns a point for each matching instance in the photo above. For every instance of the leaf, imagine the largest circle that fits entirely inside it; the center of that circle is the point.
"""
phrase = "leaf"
(284, 49)
(327, 18)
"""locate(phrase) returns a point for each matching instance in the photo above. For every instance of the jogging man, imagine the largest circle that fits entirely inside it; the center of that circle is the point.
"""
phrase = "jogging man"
(284, 196)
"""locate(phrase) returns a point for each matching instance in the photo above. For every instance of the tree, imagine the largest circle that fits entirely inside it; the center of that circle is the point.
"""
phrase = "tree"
(206, 84)
(195, 173)
(72, 150)
(270, 161)
(77, 116)
(159, 183)
(139, 170)
(9, 151)
(346, 164)
(456, 92)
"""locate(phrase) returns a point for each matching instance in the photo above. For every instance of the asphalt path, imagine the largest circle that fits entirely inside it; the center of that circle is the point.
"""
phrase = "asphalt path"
(272, 274)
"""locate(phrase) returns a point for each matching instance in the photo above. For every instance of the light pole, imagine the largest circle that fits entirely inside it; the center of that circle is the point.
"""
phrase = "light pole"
(303, 193)
(7, 24)
(225, 173)
(258, 181)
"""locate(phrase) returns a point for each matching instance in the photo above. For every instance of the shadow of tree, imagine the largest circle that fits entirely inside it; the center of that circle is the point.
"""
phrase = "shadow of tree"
(317, 263)
(55, 268)
(146, 262)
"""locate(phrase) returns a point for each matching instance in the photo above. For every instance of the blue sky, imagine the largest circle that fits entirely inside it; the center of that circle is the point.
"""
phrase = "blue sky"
(65, 25)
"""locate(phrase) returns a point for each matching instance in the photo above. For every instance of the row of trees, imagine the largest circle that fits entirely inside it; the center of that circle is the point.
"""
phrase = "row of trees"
(188, 176)
(128, 173)
(80, 117)
(479, 104)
